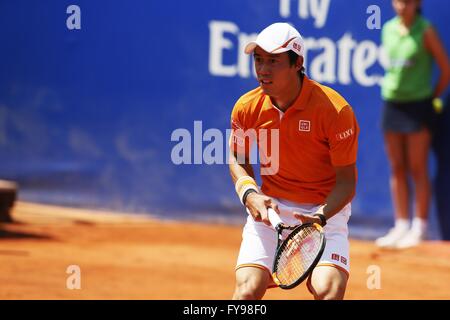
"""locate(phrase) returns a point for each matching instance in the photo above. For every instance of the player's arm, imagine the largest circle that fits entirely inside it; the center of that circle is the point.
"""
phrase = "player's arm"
(343, 191)
(343, 142)
(243, 178)
(238, 170)
(242, 173)
(342, 194)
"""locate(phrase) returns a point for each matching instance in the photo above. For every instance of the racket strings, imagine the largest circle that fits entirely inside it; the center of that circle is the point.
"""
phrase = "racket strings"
(298, 254)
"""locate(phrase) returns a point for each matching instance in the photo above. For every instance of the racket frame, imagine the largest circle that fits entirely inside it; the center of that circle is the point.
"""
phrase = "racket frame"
(279, 227)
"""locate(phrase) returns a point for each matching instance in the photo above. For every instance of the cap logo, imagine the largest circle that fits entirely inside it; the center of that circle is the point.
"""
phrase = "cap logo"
(296, 46)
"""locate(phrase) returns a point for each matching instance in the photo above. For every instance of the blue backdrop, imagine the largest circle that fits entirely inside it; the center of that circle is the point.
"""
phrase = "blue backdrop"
(87, 115)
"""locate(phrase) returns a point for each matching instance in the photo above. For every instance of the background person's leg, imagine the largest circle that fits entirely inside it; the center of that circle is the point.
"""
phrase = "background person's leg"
(396, 149)
(418, 152)
(418, 147)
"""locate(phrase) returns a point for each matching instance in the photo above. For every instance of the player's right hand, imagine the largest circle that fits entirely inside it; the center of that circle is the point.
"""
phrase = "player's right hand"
(257, 205)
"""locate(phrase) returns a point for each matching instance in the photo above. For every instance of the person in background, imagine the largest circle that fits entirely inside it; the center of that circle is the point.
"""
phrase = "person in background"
(411, 44)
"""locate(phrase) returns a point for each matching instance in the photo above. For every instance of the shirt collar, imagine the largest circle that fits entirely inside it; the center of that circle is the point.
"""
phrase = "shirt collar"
(302, 100)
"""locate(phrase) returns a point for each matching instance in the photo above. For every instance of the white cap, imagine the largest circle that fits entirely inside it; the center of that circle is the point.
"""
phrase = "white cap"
(277, 38)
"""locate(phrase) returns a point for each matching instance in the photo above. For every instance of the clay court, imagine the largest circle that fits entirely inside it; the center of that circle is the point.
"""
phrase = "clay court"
(131, 257)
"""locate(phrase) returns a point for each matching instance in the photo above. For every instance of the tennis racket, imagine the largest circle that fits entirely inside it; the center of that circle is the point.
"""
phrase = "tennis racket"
(298, 254)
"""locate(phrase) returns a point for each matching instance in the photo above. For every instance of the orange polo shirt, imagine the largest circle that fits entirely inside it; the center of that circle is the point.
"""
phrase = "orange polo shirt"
(318, 132)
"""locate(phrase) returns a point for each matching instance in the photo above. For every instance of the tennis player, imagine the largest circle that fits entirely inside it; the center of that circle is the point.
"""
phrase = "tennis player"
(313, 176)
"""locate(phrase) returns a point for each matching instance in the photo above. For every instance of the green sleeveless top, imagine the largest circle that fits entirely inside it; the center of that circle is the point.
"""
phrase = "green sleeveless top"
(408, 75)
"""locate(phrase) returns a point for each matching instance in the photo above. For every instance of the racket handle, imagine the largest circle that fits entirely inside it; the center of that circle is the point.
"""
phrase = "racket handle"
(274, 218)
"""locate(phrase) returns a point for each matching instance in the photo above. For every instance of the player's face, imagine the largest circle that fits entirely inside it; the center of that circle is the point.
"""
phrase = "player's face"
(275, 74)
(406, 8)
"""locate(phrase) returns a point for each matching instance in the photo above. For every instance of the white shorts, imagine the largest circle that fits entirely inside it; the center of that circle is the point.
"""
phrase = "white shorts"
(259, 241)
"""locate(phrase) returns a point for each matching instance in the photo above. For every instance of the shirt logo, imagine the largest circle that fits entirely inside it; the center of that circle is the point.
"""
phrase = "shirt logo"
(335, 256)
(345, 134)
(304, 125)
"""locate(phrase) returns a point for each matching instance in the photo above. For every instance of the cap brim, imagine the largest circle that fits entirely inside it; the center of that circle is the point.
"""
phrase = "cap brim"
(280, 50)
(251, 46)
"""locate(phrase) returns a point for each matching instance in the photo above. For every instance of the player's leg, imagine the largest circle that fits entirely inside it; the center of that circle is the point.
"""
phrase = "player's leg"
(418, 146)
(396, 147)
(329, 278)
(255, 260)
(328, 283)
(251, 283)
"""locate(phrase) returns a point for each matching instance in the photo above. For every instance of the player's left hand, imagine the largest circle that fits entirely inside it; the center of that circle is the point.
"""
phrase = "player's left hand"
(307, 218)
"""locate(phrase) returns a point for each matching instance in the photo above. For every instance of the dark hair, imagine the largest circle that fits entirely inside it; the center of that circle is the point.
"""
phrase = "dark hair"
(419, 8)
(293, 57)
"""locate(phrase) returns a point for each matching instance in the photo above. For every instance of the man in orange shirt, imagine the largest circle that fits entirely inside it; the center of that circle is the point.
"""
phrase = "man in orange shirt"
(309, 134)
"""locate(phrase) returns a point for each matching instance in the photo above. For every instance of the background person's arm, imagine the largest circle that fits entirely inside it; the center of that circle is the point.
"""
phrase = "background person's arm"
(434, 45)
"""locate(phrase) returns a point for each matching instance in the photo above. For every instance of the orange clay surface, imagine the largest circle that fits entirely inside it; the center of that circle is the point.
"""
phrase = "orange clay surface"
(131, 257)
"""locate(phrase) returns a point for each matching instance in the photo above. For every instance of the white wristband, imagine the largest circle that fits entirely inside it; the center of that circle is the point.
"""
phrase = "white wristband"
(244, 190)
(243, 184)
